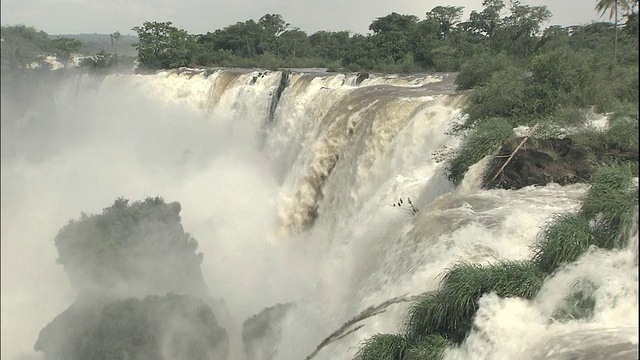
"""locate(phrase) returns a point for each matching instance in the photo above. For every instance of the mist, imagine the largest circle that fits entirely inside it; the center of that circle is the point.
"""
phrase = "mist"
(72, 145)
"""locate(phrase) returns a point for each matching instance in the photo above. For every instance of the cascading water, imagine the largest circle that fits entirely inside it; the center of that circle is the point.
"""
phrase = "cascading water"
(288, 186)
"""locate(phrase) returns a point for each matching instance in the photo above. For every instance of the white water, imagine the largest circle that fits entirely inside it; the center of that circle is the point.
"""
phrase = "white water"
(297, 208)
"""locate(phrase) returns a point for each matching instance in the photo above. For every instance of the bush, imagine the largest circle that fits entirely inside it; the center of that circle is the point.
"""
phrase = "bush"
(504, 95)
(558, 78)
(485, 140)
(478, 70)
(605, 214)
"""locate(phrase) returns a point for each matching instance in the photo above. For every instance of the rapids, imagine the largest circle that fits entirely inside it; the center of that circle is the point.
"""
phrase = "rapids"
(290, 197)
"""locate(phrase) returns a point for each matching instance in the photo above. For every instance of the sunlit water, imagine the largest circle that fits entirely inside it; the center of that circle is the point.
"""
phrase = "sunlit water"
(292, 207)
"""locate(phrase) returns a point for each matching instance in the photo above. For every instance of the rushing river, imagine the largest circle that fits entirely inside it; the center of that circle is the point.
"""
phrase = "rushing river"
(287, 181)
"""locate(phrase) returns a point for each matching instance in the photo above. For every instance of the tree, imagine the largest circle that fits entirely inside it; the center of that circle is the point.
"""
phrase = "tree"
(24, 46)
(161, 45)
(115, 36)
(242, 38)
(602, 6)
(487, 21)
(447, 16)
(524, 23)
(294, 42)
(393, 22)
(273, 24)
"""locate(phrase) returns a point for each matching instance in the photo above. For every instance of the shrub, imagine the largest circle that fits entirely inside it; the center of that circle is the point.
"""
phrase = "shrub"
(558, 78)
(478, 70)
(505, 95)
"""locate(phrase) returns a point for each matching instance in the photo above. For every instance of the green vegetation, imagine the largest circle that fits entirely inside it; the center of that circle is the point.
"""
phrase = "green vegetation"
(441, 41)
(553, 81)
(24, 47)
(133, 251)
(445, 317)
(484, 140)
(449, 311)
(155, 327)
(566, 73)
(141, 245)
(384, 347)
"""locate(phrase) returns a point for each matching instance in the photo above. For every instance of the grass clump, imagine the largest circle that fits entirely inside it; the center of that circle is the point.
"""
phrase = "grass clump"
(383, 347)
(431, 315)
(563, 241)
(430, 347)
(450, 311)
(611, 203)
(606, 211)
(484, 140)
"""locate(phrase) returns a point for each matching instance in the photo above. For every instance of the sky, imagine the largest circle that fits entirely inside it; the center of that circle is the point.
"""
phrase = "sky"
(200, 16)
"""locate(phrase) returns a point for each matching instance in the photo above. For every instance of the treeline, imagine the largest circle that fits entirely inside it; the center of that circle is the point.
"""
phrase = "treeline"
(441, 41)
(26, 47)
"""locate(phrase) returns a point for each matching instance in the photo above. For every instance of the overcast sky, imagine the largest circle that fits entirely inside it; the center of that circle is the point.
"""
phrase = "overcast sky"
(200, 16)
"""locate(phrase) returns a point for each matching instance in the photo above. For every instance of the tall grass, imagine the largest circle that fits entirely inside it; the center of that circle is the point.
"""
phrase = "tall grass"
(449, 311)
(484, 140)
(383, 347)
(562, 241)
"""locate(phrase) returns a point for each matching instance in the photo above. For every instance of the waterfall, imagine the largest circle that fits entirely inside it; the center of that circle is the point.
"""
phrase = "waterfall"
(288, 180)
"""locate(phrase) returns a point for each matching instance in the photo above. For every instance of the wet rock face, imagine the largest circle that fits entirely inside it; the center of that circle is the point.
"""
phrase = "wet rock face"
(261, 333)
(538, 162)
(156, 327)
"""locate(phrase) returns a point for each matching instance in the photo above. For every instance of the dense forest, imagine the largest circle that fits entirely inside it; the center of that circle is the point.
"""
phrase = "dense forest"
(440, 41)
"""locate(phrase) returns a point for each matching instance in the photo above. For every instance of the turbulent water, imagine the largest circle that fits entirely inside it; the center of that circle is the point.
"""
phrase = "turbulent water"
(287, 181)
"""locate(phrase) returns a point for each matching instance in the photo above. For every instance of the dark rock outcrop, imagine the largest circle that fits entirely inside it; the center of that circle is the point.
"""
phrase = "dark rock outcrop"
(261, 332)
(361, 77)
(141, 294)
(156, 327)
(543, 161)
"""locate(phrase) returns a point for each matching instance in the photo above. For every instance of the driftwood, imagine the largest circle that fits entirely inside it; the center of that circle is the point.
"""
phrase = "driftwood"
(345, 330)
(534, 128)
